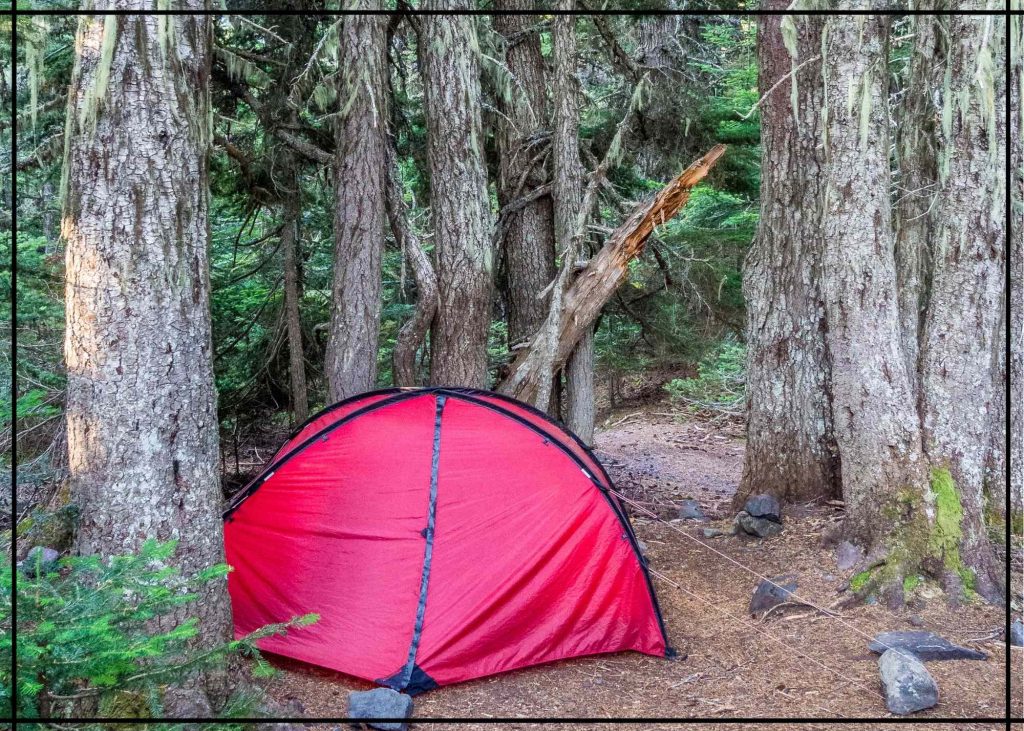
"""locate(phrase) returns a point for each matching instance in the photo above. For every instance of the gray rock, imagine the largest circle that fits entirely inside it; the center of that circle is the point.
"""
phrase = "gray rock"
(712, 532)
(768, 594)
(39, 558)
(754, 526)
(1017, 633)
(923, 645)
(848, 556)
(764, 506)
(689, 509)
(381, 703)
(643, 547)
(915, 620)
(908, 685)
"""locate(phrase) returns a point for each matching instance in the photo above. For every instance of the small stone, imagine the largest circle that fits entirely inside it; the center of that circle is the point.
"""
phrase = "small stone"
(712, 532)
(1017, 633)
(689, 509)
(908, 685)
(914, 620)
(642, 546)
(755, 526)
(770, 594)
(923, 645)
(764, 506)
(848, 556)
(381, 703)
(39, 558)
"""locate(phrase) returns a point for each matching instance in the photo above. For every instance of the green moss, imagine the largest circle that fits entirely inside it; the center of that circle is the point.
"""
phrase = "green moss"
(944, 540)
(859, 581)
(1017, 523)
(910, 583)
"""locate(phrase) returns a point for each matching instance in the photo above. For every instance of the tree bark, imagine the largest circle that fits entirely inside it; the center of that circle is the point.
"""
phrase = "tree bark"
(528, 244)
(602, 276)
(876, 426)
(567, 188)
(1016, 272)
(459, 205)
(359, 206)
(141, 405)
(292, 297)
(791, 450)
(415, 329)
(916, 147)
(961, 393)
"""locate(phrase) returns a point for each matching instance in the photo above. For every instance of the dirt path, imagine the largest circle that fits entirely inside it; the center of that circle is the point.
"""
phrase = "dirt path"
(734, 666)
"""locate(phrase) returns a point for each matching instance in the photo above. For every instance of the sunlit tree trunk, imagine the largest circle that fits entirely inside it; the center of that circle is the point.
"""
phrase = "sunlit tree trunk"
(141, 406)
(359, 214)
(961, 388)
(459, 205)
(875, 422)
(1016, 272)
(791, 449)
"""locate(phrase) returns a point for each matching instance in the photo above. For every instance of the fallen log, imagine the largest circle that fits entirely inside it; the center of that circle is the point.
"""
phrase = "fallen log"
(596, 284)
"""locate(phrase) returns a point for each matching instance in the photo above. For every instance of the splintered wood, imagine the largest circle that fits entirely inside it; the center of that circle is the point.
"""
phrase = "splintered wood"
(603, 274)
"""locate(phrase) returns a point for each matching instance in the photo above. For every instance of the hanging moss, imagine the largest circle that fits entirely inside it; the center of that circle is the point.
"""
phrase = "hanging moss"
(96, 92)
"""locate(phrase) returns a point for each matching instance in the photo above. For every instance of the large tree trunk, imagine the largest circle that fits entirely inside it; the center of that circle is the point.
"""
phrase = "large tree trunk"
(960, 394)
(528, 244)
(1016, 272)
(604, 273)
(141, 406)
(359, 217)
(459, 205)
(567, 189)
(791, 449)
(916, 146)
(292, 297)
(875, 422)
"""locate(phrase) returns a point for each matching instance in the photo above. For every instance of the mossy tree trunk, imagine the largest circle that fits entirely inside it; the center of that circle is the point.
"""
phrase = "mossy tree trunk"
(141, 406)
(876, 428)
(459, 205)
(791, 450)
(962, 390)
(359, 214)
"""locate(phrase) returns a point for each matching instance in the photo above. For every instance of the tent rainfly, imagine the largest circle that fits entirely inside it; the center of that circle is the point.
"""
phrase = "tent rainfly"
(441, 534)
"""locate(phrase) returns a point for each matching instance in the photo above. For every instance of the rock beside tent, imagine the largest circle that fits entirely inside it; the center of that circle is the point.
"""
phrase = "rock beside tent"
(908, 685)
(924, 646)
(381, 703)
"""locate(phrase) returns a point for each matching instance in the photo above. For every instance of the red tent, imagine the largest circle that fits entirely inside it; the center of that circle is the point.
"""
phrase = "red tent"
(441, 534)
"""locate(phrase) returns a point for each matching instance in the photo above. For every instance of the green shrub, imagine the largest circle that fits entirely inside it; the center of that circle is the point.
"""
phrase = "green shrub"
(101, 634)
(718, 388)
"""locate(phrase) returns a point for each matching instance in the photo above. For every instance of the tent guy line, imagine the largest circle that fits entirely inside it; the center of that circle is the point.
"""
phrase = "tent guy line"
(792, 594)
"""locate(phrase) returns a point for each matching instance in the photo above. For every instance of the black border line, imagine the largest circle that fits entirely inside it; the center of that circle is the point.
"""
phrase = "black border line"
(14, 12)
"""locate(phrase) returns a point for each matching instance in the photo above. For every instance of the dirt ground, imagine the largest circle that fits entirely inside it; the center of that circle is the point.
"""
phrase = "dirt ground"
(796, 663)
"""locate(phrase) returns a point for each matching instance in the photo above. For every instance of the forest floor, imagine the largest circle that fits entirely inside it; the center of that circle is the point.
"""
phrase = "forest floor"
(730, 665)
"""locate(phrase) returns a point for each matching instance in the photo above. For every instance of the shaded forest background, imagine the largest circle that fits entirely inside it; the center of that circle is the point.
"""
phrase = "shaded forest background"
(682, 305)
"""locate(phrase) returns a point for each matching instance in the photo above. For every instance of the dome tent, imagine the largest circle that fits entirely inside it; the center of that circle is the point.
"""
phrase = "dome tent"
(441, 534)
